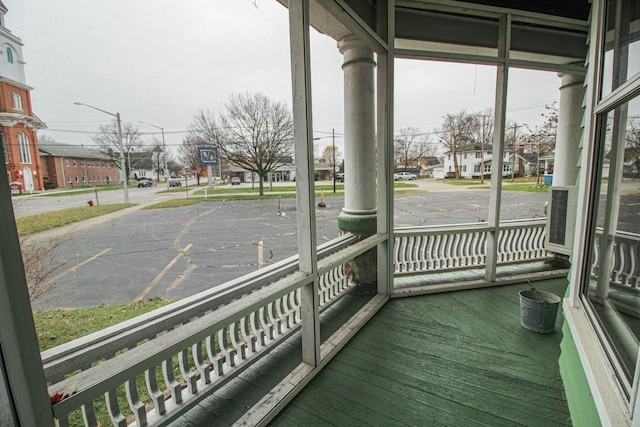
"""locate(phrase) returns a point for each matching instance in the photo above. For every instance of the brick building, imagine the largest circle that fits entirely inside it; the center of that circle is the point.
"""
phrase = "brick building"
(18, 124)
(65, 165)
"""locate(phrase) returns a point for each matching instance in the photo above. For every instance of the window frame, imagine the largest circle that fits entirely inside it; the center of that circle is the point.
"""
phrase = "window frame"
(24, 148)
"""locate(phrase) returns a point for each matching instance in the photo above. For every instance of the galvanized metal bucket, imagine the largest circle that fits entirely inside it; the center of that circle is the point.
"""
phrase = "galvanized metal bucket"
(538, 310)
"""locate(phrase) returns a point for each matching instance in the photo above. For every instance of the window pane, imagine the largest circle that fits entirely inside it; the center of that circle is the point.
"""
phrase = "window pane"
(613, 289)
(622, 56)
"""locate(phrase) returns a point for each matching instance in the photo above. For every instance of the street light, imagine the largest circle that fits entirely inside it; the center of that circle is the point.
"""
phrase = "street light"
(164, 148)
(333, 142)
(123, 165)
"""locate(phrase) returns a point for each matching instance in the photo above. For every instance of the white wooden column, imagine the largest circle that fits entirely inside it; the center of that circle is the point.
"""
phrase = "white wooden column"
(502, 83)
(359, 212)
(569, 133)
(24, 399)
(385, 73)
(305, 190)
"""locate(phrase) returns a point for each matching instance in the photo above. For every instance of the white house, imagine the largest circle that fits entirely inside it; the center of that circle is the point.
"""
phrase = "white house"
(470, 162)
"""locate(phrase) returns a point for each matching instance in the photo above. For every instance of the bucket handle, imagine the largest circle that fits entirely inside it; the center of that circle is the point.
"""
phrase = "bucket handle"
(538, 292)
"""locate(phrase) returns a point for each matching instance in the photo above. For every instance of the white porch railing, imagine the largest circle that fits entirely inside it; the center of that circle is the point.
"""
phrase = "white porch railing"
(177, 355)
(209, 339)
(625, 272)
(430, 249)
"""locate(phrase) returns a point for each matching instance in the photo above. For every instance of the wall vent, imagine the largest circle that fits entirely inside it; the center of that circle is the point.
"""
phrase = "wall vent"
(561, 214)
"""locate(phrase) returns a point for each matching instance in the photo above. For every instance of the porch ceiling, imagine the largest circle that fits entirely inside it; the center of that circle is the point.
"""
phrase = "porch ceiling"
(542, 32)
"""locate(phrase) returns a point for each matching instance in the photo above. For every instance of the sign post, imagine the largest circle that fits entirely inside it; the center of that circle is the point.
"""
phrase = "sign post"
(209, 157)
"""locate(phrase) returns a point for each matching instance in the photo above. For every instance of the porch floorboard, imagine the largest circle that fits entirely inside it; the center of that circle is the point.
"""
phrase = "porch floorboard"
(456, 358)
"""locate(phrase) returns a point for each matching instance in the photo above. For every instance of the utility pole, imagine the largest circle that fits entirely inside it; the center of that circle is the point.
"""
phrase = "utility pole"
(482, 152)
(122, 161)
(333, 140)
(513, 152)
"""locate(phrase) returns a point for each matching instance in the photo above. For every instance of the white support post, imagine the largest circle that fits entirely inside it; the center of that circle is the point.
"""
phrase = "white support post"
(24, 400)
(569, 135)
(502, 83)
(305, 189)
(385, 70)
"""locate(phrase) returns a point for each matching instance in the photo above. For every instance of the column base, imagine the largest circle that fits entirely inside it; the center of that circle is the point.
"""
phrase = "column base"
(358, 223)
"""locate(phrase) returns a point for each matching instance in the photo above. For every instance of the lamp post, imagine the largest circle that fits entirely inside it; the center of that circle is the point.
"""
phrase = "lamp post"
(164, 149)
(123, 165)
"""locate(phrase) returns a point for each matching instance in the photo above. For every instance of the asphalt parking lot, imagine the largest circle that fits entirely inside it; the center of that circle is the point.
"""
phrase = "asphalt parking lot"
(178, 252)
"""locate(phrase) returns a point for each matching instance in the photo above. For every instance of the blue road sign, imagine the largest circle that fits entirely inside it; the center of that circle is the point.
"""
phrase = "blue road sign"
(208, 155)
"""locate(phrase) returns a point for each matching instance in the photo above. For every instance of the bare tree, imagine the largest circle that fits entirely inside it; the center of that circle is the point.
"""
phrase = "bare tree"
(254, 133)
(632, 145)
(328, 154)
(456, 134)
(542, 139)
(40, 262)
(109, 144)
(410, 146)
(188, 151)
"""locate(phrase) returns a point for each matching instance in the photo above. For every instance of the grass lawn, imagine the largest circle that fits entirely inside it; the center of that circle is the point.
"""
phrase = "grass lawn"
(56, 327)
(41, 222)
(532, 187)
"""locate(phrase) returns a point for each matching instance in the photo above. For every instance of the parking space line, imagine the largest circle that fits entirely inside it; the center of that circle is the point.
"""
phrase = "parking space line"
(155, 281)
(75, 267)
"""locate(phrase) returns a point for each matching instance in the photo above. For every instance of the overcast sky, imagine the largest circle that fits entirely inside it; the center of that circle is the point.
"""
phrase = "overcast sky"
(161, 61)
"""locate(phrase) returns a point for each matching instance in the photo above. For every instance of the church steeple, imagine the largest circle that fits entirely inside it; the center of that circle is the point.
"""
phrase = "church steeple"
(11, 59)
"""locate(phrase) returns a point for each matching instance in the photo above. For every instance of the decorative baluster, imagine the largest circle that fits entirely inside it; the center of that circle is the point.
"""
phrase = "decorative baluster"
(403, 254)
(135, 404)
(540, 238)
(596, 259)
(438, 253)
(214, 356)
(203, 367)
(396, 254)
(238, 343)
(415, 253)
(275, 320)
(455, 250)
(267, 326)
(448, 251)
(281, 313)
(634, 269)
(170, 381)
(514, 245)
(187, 373)
(249, 335)
(295, 303)
(111, 398)
(322, 289)
(619, 262)
(88, 415)
(502, 246)
(527, 243)
(430, 254)
(466, 259)
(154, 391)
(261, 334)
(225, 348)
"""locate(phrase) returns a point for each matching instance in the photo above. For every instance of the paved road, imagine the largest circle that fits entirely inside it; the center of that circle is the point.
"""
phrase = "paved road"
(52, 201)
(178, 252)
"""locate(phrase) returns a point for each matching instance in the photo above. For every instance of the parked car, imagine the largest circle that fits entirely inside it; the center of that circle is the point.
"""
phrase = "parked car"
(339, 177)
(235, 181)
(145, 182)
(174, 183)
(404, 176)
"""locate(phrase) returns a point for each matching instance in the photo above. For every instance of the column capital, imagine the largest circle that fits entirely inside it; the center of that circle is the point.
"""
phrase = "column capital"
(355, 51)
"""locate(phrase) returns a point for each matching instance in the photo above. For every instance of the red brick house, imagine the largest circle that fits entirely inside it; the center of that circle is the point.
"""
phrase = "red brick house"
(18, 124)
(65, 165)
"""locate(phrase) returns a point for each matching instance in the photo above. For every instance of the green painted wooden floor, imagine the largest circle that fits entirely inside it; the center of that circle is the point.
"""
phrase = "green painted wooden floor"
(451, 359)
